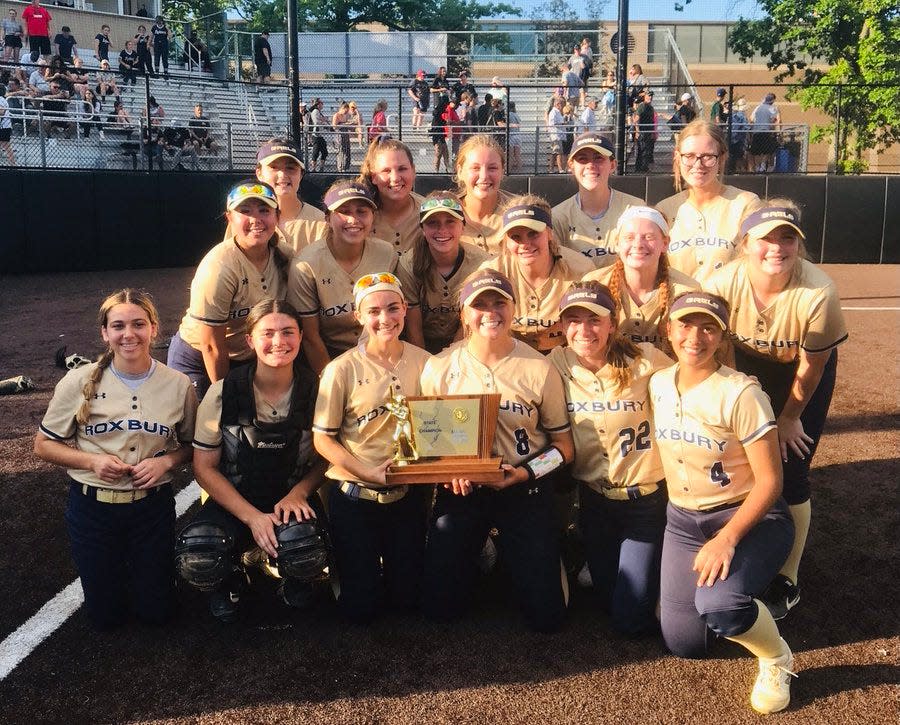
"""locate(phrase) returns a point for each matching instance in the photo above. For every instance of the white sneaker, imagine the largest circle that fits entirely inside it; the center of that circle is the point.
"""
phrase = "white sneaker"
(772, 690)
(584, 578)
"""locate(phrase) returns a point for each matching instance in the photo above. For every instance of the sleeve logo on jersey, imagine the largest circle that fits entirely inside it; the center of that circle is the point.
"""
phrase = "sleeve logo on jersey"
(714, 242)
(237, 314)
(605, 406)
(686, 436)
(127, 425)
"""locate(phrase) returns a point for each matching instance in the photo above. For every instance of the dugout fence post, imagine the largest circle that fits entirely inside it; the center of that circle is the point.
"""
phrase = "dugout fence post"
(537, 147)
(42, 135)
(399, 113)
(230, 145)
(506, 134)
(149, 153)
(837, 129)
(730, 127)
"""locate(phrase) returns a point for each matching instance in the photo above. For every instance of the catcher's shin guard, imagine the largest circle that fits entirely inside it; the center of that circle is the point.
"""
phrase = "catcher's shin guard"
(303, 548)
(203, 554)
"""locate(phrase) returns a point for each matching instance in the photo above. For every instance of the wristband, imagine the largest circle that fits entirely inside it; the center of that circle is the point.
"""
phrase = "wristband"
(543, 463)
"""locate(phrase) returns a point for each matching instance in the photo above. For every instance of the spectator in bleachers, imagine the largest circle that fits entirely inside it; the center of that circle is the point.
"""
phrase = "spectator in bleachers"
(718, 112)
(556, 134)
(90, 114)
(568, 112)
(480, 166)
(144, 63)
(587, 122)
(119, 115)
(483, 112)
(390, 170)
(159, 41)
(318, 127)
(420, 93)
(77, 76)
(143, 12)
(37, 28)
(12, 31)
(496, 119)
(636, 84)
(128, 60)
(570, 85)
(200, 130)
(468, 116)
(684, 112)
(6, 128)
(176, 141)
(157, 112)
(576, 64)
(262, 57)
(766, 119)
(17, 95)
(644, 116)
(462, 86)
(65, 44)
(515, 138)
(57, 71)
(55, 109)
(588, 54)
(37, 80)
(498, 90)
(439, 138)
(378, 127)
(106, 81)
(343, 124)
(452, 123)
(440, 86)
(102, 44)
(356, 122)
(740, 129)
(152, 141)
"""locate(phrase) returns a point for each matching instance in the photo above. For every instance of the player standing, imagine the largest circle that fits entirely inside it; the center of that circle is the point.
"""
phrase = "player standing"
(232, 277)
(641, 280)
(705, 218)
(534, 439)
(432, 273)
(586, 221)
(378, 531)
(253, 456)
(323, 274)
(390, 170)
(479, 171)
(786, 324)
(622, 512)
(119, 426)
(539, 269)
(728, 529)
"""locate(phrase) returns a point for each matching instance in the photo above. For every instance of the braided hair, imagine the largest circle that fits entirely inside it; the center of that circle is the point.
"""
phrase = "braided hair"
(619, 290)
(127, 296)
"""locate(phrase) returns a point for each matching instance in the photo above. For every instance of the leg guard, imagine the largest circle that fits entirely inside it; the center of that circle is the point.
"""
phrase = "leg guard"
(203, 555)
(303, 549)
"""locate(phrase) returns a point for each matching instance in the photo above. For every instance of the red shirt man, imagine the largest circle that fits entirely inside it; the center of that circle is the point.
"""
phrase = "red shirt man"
(37, 28)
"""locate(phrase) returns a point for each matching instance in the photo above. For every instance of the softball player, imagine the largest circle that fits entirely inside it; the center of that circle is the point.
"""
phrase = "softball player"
(641, 280)
(539, 269)
(253, 456)
(433, 270)
(389, 169)
(232, 277)
(119, 426)
(705, 219)
(622, 513)
(322, 276)
(534, 439)
(479, 171)
(378, 531)
(586, 221)
(786, 324)
(726, 520)
(278, 164)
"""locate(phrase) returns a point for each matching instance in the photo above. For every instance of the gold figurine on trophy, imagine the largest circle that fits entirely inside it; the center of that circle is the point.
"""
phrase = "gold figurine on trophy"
(404, 438)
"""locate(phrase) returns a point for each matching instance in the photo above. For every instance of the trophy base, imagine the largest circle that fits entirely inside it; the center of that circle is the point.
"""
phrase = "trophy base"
(442, 470)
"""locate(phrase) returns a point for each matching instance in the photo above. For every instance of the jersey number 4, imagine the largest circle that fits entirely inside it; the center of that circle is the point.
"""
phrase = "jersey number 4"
(717, 474)
(635, 439)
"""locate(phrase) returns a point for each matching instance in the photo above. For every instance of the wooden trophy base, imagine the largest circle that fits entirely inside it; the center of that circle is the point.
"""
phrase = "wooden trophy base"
(442, 470)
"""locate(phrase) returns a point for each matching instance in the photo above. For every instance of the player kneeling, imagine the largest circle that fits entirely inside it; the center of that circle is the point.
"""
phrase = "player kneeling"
(253, 456)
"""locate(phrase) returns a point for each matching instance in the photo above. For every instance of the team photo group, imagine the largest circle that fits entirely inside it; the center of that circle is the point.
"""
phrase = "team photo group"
(664, 375)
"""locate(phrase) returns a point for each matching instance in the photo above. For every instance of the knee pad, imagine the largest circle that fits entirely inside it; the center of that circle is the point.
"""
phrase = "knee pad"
(203, 554)
(302, 549)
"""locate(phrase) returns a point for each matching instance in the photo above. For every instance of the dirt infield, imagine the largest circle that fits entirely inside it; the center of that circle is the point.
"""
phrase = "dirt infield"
(280, 667)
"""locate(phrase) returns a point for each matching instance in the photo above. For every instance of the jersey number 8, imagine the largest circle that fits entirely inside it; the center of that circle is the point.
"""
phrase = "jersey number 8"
(521, 436)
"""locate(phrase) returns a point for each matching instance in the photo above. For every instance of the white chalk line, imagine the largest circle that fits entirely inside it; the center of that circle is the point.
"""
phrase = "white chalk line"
(21, 643)
(888, 309)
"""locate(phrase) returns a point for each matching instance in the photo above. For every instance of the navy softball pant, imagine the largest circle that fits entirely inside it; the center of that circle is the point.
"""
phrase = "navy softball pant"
(378, 551)
(687, 612)
(123, 552)
(623, 542)
(528, 546)
(776, 379)
(188, 360)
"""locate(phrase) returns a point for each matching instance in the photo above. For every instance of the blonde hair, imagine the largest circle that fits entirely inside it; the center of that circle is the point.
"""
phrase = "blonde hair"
(756, 204)
(541, 203)
(479, 140)
(422, 259)
(699, 127)
(620, 351)
(127, 296)
(366, 170)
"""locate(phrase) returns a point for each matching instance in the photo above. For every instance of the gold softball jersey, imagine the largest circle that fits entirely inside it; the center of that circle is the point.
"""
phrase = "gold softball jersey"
(319, 286)
(700, 242)
(440, 305)
(532, 402)
(308, 227)
(701, 435)
(612, 428)
(536, 315)
(806, 314)
(487, 235)
(404, 235)
(225, 286)
(155, 418)
(353, 392)
(594, 238)
(640, 323)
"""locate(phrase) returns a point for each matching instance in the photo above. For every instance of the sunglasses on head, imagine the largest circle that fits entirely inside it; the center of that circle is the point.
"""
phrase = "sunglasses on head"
(442, 203)
(370, 280)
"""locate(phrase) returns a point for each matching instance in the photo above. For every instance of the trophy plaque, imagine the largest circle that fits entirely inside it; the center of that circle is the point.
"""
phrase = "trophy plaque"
(441, 437)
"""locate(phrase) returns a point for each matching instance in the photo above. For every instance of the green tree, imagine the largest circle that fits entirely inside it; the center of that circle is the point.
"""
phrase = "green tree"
(824, 43)
(565, 32)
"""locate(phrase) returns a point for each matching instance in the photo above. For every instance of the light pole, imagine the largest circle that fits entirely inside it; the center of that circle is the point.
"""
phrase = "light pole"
(293, 71)
(621, 80)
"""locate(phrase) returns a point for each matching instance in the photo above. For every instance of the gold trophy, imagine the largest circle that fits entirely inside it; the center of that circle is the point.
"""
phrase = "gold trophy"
(404, 438)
